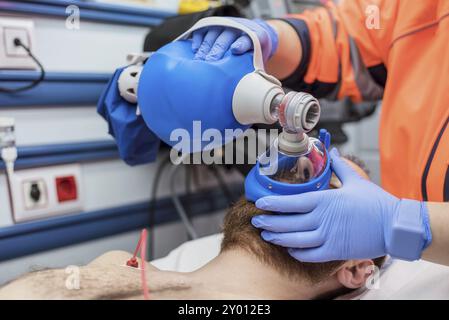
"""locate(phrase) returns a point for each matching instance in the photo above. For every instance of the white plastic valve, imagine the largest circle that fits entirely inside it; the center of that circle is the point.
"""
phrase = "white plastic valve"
(300, 112)
(128, 82)
(253, 98)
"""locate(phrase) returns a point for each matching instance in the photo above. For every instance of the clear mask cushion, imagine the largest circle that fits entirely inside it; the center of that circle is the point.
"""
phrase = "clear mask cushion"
(277, 173)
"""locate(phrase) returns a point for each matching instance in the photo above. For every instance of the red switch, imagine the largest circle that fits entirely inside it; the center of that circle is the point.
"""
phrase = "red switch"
(66, 188)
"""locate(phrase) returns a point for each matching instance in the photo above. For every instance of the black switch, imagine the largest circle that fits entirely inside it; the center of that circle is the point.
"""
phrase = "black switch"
(35, 192)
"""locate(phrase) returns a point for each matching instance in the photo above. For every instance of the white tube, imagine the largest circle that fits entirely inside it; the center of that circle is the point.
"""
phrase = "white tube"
(9, 156)
(253, 96)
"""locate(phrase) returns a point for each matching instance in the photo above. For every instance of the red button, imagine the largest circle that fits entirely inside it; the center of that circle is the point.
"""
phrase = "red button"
(66, 188)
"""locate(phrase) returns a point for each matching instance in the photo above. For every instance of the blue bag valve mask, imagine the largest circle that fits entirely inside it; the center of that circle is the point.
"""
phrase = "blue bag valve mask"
(180, 99)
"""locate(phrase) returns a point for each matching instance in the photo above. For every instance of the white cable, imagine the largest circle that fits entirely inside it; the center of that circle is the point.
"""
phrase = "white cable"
(8, 153)
(9, 156)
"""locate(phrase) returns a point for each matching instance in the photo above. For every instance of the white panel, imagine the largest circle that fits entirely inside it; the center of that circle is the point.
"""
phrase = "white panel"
(11, 55)
(113, 183)
(95, 47)
(166, 5)
(57, 125)
(26, 209)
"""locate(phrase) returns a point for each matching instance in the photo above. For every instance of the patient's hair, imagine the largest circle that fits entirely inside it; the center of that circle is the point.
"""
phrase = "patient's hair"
(239, 233)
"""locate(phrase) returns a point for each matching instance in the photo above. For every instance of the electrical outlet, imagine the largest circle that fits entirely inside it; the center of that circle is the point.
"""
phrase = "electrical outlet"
(35, 194)
(12, 56)
(46, 192)
(11, 34)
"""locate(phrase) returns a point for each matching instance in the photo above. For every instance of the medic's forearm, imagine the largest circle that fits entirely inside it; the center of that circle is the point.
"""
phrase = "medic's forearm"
(288, 55)
(438, 251)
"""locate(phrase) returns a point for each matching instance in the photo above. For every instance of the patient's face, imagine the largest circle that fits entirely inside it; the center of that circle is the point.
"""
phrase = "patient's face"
(303, 171)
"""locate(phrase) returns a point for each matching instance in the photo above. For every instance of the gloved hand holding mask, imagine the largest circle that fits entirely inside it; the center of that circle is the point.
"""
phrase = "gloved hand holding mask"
(359, 220)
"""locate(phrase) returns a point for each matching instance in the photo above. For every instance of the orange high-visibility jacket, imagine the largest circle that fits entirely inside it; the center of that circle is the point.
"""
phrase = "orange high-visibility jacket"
(398, 50)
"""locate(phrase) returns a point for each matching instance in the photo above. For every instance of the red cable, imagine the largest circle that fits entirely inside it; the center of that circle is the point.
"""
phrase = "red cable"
(136, 251)
(143, 274)
(142, 245)
(133, 261)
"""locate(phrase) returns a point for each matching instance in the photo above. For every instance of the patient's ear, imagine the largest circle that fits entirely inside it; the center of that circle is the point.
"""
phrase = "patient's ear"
(354, 273)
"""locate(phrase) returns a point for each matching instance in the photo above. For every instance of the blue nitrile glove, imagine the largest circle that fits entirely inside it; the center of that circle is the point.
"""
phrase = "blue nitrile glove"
(353, 222)
(213, 42)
